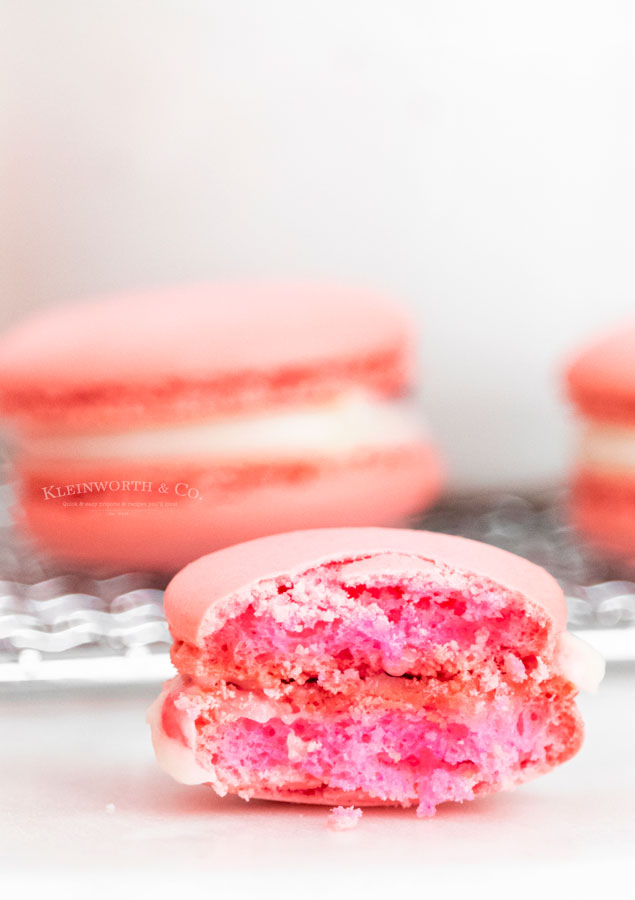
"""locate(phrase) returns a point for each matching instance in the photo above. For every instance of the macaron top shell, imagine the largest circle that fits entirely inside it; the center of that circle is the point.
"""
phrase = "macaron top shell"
(601, 379)
(222, 338)
(194, 592)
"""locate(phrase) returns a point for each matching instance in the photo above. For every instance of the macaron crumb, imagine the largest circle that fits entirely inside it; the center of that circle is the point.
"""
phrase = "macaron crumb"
(343, 818)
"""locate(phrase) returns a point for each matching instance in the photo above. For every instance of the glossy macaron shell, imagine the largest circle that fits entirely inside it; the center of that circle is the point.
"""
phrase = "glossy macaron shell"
(601, 378)
(206, 347)
(193, 593)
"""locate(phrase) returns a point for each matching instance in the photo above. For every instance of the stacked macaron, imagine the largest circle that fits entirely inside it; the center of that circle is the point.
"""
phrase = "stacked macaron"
(152, 428)
(368, 666)
(601, 383)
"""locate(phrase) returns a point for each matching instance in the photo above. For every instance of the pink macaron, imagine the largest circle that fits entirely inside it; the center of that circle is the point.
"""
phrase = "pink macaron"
(368, 666)
(601, 384)
(152, 428)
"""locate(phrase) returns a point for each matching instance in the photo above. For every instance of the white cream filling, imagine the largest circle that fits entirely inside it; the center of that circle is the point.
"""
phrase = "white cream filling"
(345, 424)
(607, 447)
(174, 757)
(580, 662)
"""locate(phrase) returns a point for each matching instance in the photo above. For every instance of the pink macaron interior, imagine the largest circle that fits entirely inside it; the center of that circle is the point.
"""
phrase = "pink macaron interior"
(348, 683)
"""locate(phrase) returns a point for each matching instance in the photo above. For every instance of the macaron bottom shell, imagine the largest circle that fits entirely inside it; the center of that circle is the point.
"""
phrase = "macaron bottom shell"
(602, 510)
(160, 516)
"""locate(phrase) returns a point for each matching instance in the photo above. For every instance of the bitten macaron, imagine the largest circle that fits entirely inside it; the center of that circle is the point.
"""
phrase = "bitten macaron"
(151, 428)
(601, 385)
(368, 666)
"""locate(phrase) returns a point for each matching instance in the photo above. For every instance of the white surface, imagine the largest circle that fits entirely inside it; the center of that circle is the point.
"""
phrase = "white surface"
(475, 158)
(82, 800)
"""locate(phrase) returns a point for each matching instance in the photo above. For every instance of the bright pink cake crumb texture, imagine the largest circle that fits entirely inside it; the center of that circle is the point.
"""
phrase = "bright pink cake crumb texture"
(343, 818)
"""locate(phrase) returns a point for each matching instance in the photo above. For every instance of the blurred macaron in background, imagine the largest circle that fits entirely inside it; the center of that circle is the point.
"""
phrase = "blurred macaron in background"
(152, 427)
(601, 385)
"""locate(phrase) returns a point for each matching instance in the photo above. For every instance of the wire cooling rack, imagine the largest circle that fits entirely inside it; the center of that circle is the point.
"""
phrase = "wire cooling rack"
(58, 625)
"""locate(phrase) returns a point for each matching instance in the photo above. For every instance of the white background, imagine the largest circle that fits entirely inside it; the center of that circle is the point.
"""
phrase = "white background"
(473, 158)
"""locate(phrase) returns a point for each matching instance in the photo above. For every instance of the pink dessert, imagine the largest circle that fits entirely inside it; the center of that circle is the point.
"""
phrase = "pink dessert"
(154, 427)
(601, 385)
(368, 666)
